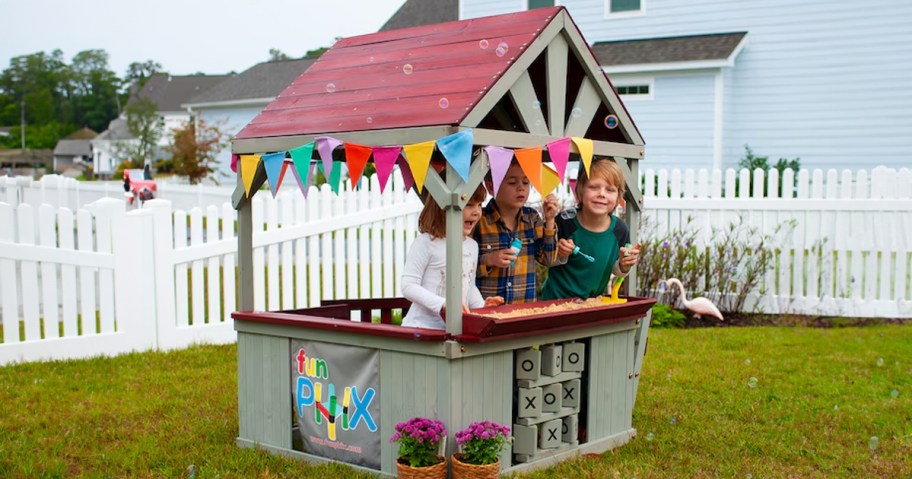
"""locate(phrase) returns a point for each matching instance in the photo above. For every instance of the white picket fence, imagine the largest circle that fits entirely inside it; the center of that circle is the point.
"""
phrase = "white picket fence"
(114, 281)
(104, 281)
(849, 254)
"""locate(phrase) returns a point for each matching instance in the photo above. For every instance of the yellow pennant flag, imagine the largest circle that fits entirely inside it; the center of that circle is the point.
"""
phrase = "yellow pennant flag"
(549, 180)
(530, 160)
(249, 164)
(418, 157)
(585, 149)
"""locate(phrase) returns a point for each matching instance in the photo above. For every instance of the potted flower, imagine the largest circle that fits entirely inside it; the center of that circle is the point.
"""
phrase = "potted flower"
(481, 444)
(419, 439)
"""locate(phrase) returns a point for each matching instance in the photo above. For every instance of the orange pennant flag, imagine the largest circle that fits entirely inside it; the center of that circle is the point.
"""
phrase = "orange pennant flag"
(550, 180)
(356, 157)
(249, 164)
(530, 160)
(418, 157)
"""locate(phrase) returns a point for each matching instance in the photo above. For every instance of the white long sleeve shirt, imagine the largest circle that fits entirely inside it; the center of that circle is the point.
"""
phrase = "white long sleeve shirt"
(424, 280)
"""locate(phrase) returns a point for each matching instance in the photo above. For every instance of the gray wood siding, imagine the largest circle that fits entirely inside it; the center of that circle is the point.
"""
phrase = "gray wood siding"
(264, 389)
(823, 81)
(609, 384)
(456, 392)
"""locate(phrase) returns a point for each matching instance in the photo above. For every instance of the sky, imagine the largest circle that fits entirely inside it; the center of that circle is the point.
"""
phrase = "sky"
(184, 36)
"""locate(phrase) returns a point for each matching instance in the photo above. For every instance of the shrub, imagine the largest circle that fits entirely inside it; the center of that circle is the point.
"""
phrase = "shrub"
(664, 316)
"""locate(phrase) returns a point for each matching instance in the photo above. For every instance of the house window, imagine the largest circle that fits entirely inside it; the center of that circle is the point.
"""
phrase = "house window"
(539, 3)
(635, 89)
(624, 7)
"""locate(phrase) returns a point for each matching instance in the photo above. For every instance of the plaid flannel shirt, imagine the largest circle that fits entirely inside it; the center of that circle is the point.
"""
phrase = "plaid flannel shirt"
(516, 284)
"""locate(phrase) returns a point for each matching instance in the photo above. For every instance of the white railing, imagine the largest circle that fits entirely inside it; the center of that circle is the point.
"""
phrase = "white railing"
(850, 249)
(118, 281)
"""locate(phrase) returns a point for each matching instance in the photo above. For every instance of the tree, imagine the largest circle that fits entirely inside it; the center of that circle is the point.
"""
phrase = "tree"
(194, 147)
(144, 124)
(276, 55)
(96, 87)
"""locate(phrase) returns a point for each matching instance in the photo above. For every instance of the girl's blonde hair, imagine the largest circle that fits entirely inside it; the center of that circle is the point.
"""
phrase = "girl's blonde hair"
(432, 219)
(604, 169)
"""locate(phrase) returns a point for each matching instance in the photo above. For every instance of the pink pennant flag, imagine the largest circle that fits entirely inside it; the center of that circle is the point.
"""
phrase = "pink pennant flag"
(559, 151)
(500, 159)
(234, 162)
(406, 174)
(384, 160)
(325, 147)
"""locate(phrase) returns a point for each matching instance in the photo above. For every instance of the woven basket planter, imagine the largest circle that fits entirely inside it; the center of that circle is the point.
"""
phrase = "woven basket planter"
(437, 471)
(462, 470)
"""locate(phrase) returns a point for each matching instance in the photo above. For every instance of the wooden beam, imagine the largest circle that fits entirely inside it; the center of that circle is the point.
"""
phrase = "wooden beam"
(557, 84)
(524, 99)
(514, 139)
(587, 101)
(633, 195)
(399, 136)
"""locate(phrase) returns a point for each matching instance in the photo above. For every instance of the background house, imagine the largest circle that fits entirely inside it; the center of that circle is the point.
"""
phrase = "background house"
(234, 102)
(823, 81)
(74, 151)
(168, 92)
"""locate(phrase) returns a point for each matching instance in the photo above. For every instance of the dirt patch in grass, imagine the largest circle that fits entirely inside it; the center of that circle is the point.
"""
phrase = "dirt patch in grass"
(810, 321)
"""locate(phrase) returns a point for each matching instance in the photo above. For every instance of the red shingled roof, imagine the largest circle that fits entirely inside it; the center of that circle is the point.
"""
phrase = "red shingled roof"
(362, 83)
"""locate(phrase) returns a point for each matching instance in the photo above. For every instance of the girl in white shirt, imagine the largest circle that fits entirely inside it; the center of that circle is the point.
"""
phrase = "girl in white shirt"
(424, 276)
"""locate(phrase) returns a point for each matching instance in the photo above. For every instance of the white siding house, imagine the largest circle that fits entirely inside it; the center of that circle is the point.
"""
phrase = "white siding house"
(827, 82)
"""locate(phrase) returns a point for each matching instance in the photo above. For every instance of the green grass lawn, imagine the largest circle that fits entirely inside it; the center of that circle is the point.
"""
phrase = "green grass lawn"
(819, 397)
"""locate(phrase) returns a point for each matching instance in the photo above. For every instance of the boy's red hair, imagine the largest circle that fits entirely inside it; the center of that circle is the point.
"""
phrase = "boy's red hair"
(606, 170)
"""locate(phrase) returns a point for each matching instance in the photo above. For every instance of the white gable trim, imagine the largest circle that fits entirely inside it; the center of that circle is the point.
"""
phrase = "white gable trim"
(229, 103)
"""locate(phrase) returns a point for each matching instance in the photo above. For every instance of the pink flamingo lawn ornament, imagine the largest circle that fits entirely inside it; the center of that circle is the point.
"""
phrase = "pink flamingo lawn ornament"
(700, 306)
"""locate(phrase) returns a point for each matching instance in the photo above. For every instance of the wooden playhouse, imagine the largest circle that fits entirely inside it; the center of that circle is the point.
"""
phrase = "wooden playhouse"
(314, 384)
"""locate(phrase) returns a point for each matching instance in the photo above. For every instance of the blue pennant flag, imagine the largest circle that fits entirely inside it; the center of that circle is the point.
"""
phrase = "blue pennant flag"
(457, 149)
(275, 169)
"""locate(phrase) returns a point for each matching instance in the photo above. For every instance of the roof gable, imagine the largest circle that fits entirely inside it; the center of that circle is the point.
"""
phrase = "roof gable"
(169, 92)
(690, 48)
(263, 80)
(523, 73)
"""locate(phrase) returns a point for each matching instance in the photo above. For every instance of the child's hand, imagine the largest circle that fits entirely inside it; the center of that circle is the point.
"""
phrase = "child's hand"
(493, 301)
(550, 206)
(565, 248)
(629, 257)
(500, 258)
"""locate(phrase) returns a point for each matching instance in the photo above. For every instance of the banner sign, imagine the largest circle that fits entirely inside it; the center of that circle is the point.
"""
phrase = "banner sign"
(336, 391)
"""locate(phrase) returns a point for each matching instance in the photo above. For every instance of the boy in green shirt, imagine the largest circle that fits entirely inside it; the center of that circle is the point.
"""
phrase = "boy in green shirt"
(597, 233)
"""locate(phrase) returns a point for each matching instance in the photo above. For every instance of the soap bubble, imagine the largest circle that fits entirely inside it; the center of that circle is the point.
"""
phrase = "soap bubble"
(747, 361)
(407, 69)
(536, 104)
(894, 393)
(872, 443)
(836, 407)
(650, 436)
(752, 382)
(673, 420)
(483, 44)
(880, 362)
(443, 103)
(330, 87)
(370, 120)
(611, 122)
(576, 112)
(502, 49)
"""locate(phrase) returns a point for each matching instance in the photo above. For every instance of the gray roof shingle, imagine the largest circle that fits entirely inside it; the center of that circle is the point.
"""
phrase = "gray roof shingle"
(716, 46)
(73, 148)
(414, 13)
(169, 92)
(263, 80)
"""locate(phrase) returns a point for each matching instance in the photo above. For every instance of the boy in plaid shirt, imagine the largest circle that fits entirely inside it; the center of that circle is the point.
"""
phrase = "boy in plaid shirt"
(500, 271)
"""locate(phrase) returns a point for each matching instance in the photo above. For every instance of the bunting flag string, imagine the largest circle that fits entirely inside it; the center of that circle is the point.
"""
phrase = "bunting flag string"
(413, 160)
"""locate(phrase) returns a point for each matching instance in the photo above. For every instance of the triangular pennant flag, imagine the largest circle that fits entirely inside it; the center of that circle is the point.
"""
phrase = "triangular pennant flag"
(550, 180)
(335, 176)
(249, 164)
(356, 156)
(407, 176)
(275, 170)
(384, 160)
(301, 157)
(325, 147)
(500, 159)
(585, 148)
(457, 149)
(418, 157)
(234, 161)
(530, 161)
(559, 151)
